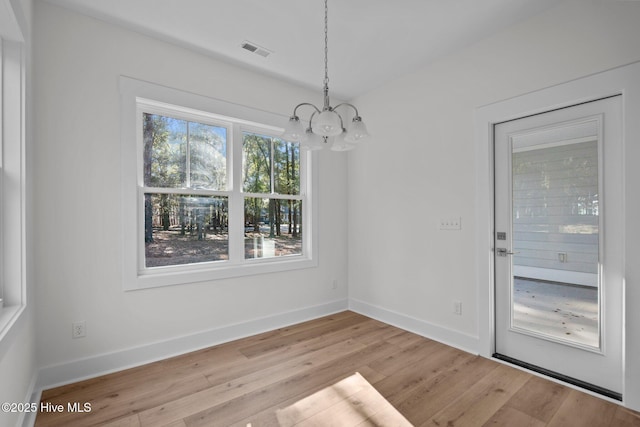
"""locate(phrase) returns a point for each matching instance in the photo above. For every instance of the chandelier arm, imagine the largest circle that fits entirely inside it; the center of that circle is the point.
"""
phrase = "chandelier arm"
(313, 114)
(346, 104)
(308, 104)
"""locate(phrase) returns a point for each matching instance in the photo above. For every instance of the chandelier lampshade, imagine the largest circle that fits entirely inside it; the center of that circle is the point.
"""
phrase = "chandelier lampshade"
(295, 130)
(328, 123)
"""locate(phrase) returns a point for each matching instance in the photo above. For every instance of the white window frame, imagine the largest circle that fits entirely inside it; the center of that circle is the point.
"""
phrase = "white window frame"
(12, 168)
(138, 97)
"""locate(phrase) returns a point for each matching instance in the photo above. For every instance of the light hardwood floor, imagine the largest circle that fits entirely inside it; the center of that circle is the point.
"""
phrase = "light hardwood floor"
(246, 382)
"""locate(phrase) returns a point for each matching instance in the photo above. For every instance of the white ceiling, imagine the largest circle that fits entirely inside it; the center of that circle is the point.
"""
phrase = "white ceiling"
(370, 41)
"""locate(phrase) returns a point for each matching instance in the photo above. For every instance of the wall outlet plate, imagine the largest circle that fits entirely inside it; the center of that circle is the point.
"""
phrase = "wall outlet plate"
(78, 329)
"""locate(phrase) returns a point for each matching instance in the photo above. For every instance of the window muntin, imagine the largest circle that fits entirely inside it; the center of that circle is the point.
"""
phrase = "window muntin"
(193, 214)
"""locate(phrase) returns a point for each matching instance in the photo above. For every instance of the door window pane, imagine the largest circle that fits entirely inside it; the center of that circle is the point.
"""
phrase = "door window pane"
(556, 233)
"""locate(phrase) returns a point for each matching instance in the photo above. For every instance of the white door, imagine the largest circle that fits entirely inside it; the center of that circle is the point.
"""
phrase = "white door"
(559, 242)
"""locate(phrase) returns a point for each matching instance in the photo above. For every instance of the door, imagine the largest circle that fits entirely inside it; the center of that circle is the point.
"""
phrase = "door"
(559, 242)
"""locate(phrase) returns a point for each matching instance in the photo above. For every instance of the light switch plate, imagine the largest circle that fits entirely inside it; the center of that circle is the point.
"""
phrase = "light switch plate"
(451, 223)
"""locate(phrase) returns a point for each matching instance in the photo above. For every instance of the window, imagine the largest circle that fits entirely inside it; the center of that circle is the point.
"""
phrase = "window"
(214, 195)
(12, 150)
(186, 202)
(272, 201)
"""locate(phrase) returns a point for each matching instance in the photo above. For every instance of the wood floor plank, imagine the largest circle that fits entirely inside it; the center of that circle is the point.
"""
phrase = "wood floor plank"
(406, 339)
(429, 397)
(297, 385)
(298, 335)
(625, 418)
(221, 374)
(310, 324)
(539, 398)
(581, 409)
(240, 386)
(109, 403)
(268, 416)
(353, 405)
(510, 417)
(245, 382)
(130, 421)
(483, 399)
(408, 377)
(321, 401)
(416, 356)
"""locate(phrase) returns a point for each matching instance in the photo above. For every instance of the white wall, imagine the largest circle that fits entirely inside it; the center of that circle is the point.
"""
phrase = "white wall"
(401, 266)
(78, 204)
(419, 167)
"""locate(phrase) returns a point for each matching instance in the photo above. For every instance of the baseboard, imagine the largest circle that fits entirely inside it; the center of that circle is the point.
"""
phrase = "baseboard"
(77, 370)
(438, 333)
(28, 419)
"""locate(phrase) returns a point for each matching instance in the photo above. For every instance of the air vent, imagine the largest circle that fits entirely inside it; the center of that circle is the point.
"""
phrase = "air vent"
(252, 47)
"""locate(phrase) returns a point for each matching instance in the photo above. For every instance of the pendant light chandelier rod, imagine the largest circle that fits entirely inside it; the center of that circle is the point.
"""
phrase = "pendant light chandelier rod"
(326, 125)
(326, 56)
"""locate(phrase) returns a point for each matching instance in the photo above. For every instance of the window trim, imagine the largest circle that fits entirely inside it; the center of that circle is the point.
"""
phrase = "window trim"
(133, 92)
(13, 289)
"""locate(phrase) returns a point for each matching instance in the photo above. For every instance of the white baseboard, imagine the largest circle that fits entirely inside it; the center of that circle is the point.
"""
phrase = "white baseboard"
(438, 333)
(77, 370)
(28, 419)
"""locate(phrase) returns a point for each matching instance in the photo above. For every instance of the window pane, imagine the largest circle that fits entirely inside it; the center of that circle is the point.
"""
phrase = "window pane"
(207, 155)
(286, 164)
(256, 167)
(165, 149)
(183, 229)
(273, 227)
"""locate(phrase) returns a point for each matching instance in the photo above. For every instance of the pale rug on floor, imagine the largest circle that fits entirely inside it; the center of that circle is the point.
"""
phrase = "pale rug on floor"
(350, 402)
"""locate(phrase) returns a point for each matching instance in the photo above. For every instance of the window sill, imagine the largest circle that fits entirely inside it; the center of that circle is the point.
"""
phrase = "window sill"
(182, 276)
(8, 317)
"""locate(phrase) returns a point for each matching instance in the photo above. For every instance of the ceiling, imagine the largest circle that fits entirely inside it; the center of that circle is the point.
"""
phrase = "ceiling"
(370, 41)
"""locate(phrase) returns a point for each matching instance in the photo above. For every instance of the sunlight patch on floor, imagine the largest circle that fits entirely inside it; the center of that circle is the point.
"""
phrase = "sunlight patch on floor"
(350, 402)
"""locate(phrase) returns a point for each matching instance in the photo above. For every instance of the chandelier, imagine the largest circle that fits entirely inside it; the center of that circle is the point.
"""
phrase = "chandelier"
(326, 127)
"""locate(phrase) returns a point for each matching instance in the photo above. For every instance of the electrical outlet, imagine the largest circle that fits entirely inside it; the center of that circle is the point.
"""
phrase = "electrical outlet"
(78, 329)
(335, 284)
(457, 307)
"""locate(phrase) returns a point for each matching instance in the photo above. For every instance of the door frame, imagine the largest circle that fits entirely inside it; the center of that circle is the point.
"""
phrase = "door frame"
(623, 81)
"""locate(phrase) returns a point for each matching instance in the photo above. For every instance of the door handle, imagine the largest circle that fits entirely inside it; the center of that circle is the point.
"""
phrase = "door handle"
(504, 252)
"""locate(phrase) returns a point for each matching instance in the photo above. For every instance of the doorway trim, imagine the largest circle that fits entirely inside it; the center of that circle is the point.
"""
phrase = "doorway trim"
(625, 81)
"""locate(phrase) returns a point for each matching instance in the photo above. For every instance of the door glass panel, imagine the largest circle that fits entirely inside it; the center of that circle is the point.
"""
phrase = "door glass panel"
(556, 233)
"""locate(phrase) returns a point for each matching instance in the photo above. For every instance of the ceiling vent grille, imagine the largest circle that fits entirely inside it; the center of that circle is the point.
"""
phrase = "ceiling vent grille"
(254, 48)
